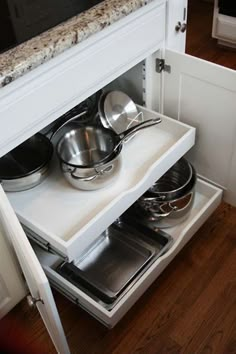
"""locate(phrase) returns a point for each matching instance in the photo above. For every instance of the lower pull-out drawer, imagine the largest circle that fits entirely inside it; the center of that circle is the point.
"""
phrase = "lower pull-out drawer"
(207, 198)
(225, 29)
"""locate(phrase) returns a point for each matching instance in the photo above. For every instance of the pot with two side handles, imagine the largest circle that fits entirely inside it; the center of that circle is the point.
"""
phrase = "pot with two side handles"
(170, 200)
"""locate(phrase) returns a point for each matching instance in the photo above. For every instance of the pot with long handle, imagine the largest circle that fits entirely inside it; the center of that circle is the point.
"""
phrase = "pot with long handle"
(90, 157)
(90, 146)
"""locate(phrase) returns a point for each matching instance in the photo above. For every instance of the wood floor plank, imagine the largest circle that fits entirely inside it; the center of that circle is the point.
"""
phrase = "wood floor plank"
(216, 331)
(199, 40)
(192, 320)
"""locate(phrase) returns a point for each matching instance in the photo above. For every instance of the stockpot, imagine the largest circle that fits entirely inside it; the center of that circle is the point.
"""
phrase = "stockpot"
(170, 199)
(175, 183)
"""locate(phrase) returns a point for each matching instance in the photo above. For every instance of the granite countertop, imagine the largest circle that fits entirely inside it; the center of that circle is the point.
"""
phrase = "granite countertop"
(29, 55)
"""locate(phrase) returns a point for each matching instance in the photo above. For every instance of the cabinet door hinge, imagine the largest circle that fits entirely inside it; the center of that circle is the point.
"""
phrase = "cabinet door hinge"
(161, 65)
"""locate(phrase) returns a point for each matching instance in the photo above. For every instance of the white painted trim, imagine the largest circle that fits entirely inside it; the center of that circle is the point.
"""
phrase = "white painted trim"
(34, 274)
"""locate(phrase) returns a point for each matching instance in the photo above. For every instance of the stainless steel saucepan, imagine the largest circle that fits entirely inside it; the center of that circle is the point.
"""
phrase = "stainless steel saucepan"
(90, 156)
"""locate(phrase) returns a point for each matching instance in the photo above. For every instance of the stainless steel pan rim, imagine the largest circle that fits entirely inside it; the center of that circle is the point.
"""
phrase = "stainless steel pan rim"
(80, 145)
(90, 173)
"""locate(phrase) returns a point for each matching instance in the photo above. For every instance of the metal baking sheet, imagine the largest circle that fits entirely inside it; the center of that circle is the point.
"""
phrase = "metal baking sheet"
(116, 261)
(110, 264)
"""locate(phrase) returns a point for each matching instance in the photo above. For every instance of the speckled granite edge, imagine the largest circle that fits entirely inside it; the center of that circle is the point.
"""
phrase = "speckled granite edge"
(36, 51)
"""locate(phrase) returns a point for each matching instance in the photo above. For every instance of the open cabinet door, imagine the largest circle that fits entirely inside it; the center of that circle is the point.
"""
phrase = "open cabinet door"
(34, 274)
(203, 94)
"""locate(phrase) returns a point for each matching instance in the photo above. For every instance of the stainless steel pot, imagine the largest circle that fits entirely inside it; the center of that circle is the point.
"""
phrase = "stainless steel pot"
(90, 146)
(174, 202)
(178, 212)
(175, 183)
(27, 165)
(92, 178)
(90, 156)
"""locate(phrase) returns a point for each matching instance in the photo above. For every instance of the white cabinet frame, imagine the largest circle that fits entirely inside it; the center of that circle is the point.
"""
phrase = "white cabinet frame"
(125, 31)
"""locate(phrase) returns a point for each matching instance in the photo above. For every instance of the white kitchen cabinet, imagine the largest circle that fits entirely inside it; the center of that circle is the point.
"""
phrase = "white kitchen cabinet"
(39, 97)
(176, 24)
(12, 286)
(187, 89)
(211, 90)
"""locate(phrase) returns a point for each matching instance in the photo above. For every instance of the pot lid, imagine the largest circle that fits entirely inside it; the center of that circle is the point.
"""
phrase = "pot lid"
(120, 111)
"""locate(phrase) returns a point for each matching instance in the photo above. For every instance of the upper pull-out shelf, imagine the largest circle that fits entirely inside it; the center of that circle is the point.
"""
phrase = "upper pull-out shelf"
(69, 219)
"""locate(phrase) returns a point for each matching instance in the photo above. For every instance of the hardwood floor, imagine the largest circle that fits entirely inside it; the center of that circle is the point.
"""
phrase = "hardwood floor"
(190, 308)
(199, 41)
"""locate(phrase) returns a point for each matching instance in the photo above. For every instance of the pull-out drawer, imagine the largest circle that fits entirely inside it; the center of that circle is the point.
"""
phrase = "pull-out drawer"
(41, 96)
(206, 200)
(226, 28)
(67, 220)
